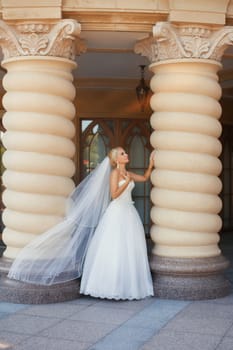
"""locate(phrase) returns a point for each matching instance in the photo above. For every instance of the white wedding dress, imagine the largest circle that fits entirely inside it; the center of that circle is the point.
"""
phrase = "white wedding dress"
(116, 265)
(99, 240)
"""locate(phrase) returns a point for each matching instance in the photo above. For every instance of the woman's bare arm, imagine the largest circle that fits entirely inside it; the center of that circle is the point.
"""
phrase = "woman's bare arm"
(146, 175)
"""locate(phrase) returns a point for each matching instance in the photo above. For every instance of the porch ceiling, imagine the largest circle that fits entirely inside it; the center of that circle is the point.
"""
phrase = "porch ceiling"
(110, 55)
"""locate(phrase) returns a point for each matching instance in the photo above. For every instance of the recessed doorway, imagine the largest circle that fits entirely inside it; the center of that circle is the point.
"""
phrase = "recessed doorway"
(98, 136)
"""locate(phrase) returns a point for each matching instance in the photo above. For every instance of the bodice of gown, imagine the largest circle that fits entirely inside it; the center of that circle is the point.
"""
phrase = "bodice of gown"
(126, 195)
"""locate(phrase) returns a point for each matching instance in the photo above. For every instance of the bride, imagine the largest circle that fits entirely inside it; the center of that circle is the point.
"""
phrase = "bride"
(100, 240)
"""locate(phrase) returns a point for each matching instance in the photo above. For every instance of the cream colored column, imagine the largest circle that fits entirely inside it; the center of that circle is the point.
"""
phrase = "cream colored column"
(186, 187)
(186, 183)
(39, 123)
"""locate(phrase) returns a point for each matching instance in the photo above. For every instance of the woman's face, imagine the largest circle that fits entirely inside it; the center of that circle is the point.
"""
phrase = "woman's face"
(122, 156)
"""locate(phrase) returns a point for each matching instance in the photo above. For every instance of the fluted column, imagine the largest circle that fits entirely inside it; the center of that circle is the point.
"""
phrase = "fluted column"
(39, 127)
(186, 260)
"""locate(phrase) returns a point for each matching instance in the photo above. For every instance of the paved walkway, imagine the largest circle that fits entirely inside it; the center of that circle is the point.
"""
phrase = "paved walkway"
(96, 324)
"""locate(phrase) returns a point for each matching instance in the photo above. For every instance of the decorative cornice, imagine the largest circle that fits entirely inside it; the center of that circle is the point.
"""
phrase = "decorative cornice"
(41, 39)
(182, 42)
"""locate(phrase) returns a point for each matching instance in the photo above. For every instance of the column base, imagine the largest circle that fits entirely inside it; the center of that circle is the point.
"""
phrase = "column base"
(190, 279)
(24, 293)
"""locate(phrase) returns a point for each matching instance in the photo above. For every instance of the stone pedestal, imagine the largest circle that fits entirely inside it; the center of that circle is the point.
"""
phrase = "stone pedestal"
(24, 293)
(190, 279)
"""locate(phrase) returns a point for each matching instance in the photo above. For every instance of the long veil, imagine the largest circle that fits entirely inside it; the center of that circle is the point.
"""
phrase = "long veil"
(57, 255)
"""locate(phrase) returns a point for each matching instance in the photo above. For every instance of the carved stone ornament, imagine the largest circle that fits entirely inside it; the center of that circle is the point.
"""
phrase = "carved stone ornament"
(42, 39)
(177, 42)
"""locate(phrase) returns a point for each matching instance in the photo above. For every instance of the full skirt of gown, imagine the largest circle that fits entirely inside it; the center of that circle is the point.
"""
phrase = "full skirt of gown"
(116, 265)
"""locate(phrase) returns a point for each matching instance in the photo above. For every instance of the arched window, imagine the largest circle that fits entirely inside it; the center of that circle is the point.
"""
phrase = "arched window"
(98, 136)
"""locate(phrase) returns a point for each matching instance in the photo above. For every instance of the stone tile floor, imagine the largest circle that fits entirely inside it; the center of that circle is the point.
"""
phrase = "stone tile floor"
(95, 324)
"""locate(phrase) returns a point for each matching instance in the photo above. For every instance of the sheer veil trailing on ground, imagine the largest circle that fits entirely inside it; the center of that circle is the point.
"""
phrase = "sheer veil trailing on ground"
(58, 254)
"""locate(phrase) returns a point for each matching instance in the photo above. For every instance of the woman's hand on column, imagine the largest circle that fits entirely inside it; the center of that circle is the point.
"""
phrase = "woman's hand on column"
(152, 158)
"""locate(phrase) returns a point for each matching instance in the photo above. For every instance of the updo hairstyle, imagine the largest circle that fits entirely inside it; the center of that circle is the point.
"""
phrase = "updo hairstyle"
(113, 156)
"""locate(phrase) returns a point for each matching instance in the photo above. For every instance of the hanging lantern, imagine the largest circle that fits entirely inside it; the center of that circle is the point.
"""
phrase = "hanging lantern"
(142, 90)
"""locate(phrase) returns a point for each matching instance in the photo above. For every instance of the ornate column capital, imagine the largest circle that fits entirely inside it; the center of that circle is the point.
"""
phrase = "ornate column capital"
(60, 39)
(181, 42)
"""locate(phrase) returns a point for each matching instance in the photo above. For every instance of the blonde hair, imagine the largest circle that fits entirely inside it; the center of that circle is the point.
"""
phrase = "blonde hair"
(113, 156)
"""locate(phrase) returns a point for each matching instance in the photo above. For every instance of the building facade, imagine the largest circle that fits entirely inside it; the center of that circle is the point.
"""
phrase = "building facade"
(69, 72)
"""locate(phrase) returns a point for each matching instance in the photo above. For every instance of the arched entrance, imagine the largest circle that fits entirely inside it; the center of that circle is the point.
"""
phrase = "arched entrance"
(98, 136)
